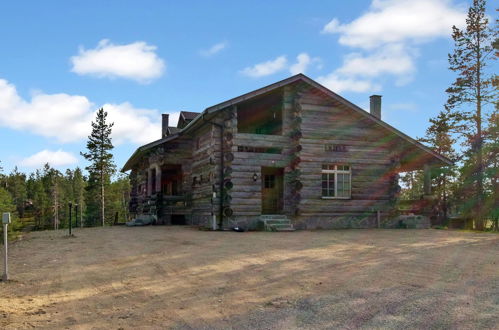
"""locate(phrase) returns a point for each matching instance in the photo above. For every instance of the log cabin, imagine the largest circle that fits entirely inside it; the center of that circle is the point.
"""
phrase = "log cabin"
(291, 155)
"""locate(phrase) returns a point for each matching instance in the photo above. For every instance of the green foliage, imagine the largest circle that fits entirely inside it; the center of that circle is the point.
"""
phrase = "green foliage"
(412, 185)
(491, 156)
(475, 87)
(16, 185)
(99, 146)
(439, 137)
(118, 197)
(42, 198)
(101, 168)
(48, 193)
(8, 205)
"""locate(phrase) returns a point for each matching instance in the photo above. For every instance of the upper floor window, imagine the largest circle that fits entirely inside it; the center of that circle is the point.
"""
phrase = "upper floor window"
(336, 181)
(261, 115)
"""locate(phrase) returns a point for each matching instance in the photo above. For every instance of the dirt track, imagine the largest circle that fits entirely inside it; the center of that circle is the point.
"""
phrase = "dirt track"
(157, 277)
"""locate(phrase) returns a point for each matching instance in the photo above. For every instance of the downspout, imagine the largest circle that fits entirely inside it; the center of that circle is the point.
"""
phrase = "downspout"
(222, 164)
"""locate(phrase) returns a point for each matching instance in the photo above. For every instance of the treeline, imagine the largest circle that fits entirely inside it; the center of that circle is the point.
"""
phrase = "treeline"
(455, 187)
(470, 120)
(41, 199)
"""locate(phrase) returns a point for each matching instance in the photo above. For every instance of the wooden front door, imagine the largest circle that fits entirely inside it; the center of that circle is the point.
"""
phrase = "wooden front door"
(272, 190)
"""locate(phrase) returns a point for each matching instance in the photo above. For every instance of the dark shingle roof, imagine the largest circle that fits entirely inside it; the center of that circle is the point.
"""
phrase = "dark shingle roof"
(192, 117)
(189, 115)
(173, 129)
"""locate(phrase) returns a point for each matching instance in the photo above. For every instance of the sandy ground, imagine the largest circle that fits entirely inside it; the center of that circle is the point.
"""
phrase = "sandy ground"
(182, 278)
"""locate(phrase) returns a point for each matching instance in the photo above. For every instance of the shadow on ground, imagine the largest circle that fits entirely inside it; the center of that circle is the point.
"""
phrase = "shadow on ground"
(184, 278)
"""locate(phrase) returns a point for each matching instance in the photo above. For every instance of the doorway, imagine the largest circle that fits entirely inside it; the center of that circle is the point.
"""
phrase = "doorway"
(272, 190)
(178, 220)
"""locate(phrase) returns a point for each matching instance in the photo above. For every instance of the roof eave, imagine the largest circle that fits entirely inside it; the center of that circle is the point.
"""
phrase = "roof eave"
(139, 151)
(279, 84)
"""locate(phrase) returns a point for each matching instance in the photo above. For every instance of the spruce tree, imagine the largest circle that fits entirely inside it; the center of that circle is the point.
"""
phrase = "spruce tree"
(471, 91)
(99, 155)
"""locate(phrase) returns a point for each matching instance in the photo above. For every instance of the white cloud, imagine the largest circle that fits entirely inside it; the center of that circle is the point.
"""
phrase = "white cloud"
(339, 84)
(266, 68)
(139, 125)
(389, 21)
(137, 61)
(216, 48)
(67, 118)
(386, 37)
(394, 59)
(54, 158)
(303, 61)
(173, 118)
(63, 116)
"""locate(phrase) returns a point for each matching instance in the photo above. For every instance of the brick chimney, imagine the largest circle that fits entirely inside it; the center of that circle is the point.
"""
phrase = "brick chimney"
(375, 108)
(164, 125)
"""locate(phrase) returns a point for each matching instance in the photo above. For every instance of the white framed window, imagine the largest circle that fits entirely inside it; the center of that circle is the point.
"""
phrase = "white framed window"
(336, 181)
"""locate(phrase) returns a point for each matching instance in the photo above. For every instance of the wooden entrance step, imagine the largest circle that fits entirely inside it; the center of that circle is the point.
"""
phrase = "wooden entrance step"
(275, 222)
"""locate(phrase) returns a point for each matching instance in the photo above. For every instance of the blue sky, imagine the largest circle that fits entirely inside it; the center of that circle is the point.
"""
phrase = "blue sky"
(62, 60)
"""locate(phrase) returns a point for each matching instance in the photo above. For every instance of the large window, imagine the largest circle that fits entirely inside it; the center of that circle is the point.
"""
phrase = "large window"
(261, 115)
(336, 181)
(171, 180)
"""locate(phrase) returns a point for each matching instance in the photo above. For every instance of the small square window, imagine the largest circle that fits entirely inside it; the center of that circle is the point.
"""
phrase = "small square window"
(269, 181)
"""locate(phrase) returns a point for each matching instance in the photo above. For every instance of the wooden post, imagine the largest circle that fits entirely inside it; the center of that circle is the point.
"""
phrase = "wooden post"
(76, 215)
(158, 179)
(70, 220)
(5, 276)
(149, 182)
(5, 221)
(81, 215)
(427, 180)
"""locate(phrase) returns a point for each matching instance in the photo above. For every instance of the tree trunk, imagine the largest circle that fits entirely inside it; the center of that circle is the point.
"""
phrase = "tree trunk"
(102, 197)
(81, 212)
(479, 145)
(445, 199)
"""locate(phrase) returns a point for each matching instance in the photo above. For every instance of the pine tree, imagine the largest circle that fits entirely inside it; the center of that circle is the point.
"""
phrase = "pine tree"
(473, 86)
(440, 138)
(8, 205)
(78, 190)
(16, 185)
(412, 185)
(491, 155)
(38, 197)
(52, 182)
(2, 177)
(101, 166)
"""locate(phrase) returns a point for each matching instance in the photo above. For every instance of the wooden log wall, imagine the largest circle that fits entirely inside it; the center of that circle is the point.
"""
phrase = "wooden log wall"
(203, 175)
(311, 121)
(247, 193)
(177, 152)
(365, 147)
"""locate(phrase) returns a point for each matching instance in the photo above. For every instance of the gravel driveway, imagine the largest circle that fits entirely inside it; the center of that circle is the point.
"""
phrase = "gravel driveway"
(180, 277)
